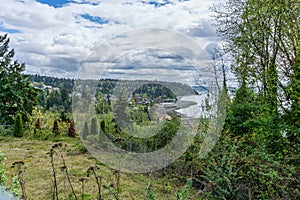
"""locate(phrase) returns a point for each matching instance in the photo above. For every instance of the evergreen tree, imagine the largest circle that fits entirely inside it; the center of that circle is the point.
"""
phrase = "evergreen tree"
(18, 127)
(55, 129)
(103, 126)
(17, 95)
(94, 126)
(72, 130)
(86, 131)
(54, 100)
(241, 111)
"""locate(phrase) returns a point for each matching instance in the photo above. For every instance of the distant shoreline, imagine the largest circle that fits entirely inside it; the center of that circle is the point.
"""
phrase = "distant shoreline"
(171, 108)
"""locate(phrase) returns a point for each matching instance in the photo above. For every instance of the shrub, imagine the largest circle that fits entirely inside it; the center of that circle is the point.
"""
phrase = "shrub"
(72, 130)
(55, 129)
(237, 168)
(18, 127)
(2, 176)
(86, 131)
(94, 126)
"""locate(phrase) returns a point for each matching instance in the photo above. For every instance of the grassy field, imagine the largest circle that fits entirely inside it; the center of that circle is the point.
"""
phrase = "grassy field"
(38, 175)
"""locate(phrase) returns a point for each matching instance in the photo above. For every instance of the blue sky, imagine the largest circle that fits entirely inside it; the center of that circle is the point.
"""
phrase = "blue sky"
(7, 30)
(54, 36)
(54, 3)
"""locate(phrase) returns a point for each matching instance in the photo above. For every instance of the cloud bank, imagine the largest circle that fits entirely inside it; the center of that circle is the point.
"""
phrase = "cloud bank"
(54, 36)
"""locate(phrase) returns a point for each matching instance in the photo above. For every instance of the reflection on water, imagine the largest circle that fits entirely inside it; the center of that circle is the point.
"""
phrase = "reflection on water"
(188, 106)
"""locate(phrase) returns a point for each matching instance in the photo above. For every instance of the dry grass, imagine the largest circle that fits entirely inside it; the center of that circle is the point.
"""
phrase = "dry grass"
(38, 172)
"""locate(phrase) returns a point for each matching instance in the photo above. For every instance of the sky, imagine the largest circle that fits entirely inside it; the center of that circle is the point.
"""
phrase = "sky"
(57, 37)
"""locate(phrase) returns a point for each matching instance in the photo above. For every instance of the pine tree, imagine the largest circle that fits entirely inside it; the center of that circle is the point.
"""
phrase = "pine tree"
(241, 111)
(72, 130)
(17, 95)
(86, 131)
(94, 126)
(103, 126)
(18, 127)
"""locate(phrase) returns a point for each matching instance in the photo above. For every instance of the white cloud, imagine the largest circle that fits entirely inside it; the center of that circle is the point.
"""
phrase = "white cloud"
(55, 40)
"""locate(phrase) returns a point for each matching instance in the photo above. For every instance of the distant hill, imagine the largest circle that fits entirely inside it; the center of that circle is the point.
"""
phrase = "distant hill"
(152, 89)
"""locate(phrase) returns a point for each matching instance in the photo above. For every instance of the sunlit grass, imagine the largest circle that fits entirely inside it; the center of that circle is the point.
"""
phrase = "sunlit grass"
(38, 173)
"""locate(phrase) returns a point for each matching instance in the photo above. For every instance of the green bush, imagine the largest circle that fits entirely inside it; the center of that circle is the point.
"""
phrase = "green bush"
(239, 169)
(4, 131)
(94, 126)
(72, 130)
(2, 176)
(18, 127)
(150, 194)
(86, 131)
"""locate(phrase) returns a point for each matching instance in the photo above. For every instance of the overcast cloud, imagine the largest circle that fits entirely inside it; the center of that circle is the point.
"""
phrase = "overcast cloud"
(54, 36)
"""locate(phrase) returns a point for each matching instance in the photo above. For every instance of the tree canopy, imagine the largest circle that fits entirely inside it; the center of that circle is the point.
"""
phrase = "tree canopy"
(16, 93)
(262, 38)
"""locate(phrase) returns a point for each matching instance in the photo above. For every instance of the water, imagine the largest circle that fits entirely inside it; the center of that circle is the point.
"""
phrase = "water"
(191, 106)
(4, 195)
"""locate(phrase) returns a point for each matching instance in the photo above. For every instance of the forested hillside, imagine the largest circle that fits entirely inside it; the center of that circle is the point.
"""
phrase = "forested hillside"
(257, 152)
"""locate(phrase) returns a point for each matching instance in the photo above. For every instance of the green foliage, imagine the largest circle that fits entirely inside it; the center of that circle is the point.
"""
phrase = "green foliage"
(15, 186)
(263, 41)
(54, 100)
(121, 111)
(81, 148)
(106, 86)
(222, 171)
(164, 135)
(94, 126)
(292, 117)
(103, 126)
(140, 115)
(16, 93)
(153, 91)
(85, 130)
(6, 131)
(183, 195)
(55, 92)
(43, 134)
(150, 194)
(101, 105)
(249, 115)
(239, 169)
(18, 127)
(2, 176)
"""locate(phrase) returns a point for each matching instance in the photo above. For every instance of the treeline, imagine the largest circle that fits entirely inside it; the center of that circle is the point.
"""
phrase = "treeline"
(154, 91)
(55, 94)
(65, 83)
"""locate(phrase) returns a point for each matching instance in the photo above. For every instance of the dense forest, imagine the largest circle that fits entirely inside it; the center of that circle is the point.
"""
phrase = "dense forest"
(255, 157)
